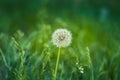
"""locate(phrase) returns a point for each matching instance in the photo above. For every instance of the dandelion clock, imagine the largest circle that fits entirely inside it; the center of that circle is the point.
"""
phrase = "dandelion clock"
(61, 38)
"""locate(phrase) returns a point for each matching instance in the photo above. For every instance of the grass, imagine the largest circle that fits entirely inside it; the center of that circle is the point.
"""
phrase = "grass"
(32, 56)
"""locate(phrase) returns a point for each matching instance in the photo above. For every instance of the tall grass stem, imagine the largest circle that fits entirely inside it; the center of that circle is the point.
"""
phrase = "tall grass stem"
(92, 71)
(3, 57)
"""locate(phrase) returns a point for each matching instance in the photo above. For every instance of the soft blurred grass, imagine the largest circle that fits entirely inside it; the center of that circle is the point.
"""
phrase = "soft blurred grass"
(38, 62)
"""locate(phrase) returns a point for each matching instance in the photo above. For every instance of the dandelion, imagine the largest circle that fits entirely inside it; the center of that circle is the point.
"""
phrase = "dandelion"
(60, 38)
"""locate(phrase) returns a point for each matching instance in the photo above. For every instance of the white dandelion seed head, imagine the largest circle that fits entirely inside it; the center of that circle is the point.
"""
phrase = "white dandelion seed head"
(61, 38)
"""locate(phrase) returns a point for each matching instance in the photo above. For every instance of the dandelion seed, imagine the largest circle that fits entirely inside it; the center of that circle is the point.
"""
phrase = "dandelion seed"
(61, 38)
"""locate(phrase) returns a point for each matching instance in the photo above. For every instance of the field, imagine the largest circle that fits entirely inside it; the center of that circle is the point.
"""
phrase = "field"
(27, 52)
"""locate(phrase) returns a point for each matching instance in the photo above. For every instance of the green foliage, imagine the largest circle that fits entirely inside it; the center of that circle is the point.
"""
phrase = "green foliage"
(32, 56)
(26, 51)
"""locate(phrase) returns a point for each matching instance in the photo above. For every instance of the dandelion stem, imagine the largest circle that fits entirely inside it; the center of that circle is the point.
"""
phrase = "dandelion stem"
(58, 56)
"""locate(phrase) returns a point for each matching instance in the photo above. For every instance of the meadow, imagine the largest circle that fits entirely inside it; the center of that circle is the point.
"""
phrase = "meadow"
(27, 53)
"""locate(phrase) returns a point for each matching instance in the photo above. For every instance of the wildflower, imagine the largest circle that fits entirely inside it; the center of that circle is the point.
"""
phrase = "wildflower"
(76, 63)
(81, 69)
(61, 38)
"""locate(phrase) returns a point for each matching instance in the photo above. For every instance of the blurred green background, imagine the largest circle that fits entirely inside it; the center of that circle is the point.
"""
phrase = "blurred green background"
(30, 23)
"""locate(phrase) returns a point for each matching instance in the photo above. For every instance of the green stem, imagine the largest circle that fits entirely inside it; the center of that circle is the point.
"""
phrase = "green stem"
(58, 56)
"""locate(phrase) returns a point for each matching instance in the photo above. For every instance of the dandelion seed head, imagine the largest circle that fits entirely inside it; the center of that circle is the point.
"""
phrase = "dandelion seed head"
(61, 38)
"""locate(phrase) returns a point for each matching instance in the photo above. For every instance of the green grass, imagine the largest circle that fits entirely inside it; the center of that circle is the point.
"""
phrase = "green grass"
(32, 56)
